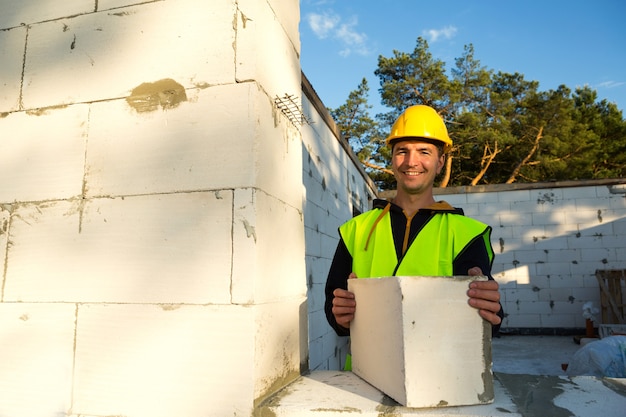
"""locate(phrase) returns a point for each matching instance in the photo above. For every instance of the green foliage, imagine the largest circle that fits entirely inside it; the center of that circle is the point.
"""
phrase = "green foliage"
(503, 127)
(364, 135)
(415, 78)
(357, 127)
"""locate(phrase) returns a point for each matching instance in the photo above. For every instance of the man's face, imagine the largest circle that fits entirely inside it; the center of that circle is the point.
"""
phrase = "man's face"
(415, 165)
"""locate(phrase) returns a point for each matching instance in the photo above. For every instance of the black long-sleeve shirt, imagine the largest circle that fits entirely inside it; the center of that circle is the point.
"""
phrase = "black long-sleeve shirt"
(474, 255)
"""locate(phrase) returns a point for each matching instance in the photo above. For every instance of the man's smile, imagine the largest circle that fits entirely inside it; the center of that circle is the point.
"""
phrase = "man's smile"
(412, 173)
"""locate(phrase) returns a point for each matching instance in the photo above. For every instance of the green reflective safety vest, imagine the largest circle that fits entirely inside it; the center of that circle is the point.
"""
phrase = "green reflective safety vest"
(369, 240)
(442, 239)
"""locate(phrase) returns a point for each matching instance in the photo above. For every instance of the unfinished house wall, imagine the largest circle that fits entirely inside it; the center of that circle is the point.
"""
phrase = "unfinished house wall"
(549, 240)
(336, 187)
(151, 217)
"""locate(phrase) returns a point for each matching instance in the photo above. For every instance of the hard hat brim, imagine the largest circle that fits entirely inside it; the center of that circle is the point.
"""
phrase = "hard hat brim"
(393, 140)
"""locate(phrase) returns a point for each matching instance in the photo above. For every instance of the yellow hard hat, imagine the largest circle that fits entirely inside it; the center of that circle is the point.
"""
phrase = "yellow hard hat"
(420, 122)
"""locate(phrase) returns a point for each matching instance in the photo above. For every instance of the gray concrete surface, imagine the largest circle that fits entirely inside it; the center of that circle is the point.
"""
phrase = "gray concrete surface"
(532, 355)
(528, 381)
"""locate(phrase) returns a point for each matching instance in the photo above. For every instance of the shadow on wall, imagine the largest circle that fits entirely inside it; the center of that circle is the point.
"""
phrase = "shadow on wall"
(65, 44)
(336, 188)
(546, 276)
(148, 196)
(325, 208)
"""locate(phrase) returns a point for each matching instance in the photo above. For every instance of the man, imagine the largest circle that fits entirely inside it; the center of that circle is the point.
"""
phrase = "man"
(413, 234)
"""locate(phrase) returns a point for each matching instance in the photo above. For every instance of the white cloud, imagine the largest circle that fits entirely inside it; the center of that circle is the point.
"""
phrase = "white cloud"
(319, 2)
(330, 25)
(611, 84)
(433, 35)
(352, 39)
(323, 24)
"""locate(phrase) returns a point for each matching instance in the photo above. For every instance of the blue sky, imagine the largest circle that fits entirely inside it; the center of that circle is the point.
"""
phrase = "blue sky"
(554, 42)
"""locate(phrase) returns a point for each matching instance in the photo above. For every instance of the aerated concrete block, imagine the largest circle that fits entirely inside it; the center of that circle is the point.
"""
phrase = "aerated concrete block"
(419, 341)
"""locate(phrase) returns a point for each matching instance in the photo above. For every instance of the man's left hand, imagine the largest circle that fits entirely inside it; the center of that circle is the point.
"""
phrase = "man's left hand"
(485, 296)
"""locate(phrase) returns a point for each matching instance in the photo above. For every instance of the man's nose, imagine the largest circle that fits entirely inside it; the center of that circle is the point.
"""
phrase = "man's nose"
(413, 158)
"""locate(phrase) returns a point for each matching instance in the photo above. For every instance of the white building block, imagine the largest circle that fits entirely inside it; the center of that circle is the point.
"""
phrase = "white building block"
(579, 193)
(534, 307)
(554, 268)
(172, 248)
(524, 294)
(24, 12)
(529, 256)
(555, 320)
(312, 238)
(482, 198)
(517, 320)
(457, 201)
(583, 217)
(561, 255)
(265, 52)
(160, 361)
(4, 234)
(288, 14)
(37, 352)
(488, 211)
(619, 227)
(106, 55)
(12, 44)
(43, 154)
(268, 248)
(418, 340)
(318, 326)
(616, 201)
(555, 217)
(277, 152)
(281, 345)
(113, 4)
(174, 150)
(514, 196)
(614, 241)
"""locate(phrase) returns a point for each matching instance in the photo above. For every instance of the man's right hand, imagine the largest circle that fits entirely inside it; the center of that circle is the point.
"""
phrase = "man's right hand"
(344, 305)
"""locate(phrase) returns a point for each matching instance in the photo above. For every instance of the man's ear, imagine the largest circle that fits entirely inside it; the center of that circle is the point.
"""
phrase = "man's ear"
(442, 163)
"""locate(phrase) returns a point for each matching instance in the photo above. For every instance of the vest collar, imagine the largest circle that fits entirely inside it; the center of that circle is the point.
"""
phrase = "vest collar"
(439, 207)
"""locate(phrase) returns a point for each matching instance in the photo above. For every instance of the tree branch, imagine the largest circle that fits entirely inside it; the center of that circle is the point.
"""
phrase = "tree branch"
(376, 167)
(485, 162)
(524, 161)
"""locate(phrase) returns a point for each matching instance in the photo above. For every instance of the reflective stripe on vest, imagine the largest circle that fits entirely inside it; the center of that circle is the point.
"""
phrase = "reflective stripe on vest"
(432, 253)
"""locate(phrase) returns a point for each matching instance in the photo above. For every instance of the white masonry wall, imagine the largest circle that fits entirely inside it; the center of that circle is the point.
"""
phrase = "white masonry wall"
(549, 240)
(151, 225)
(336, 186)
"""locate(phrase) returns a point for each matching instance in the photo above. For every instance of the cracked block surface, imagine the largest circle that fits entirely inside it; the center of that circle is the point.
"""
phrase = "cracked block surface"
(147, 249)
(418, 340)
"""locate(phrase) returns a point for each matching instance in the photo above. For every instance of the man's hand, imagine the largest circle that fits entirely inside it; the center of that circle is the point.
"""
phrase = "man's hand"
(344, 305)
(484, 296)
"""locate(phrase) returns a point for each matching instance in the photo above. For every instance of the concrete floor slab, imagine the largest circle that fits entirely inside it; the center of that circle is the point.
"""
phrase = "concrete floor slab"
(532, 355)
(529, 382)
(336, 393)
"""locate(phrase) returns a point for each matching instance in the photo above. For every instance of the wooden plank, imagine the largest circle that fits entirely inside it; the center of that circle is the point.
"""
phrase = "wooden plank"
(611, 297)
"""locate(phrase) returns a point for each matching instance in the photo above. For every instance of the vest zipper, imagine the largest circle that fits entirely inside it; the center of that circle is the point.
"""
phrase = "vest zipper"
(405, 243)
(407, 230)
